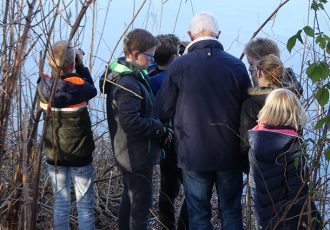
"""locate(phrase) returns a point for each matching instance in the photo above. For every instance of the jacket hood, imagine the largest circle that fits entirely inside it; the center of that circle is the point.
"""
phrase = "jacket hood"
(204, 42)
(290, 81)
(114, 71)
(255, 91)
(112, 75)
(258, 95)
(267, 146)
(120, 67)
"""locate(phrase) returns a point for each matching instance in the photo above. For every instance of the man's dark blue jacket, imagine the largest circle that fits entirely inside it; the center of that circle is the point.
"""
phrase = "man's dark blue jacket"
(205, 89)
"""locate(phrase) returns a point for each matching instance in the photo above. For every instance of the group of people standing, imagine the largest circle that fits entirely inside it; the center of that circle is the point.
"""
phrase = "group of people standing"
(197, 115)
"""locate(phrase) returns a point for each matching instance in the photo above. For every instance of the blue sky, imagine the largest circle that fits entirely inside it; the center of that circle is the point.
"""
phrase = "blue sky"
(238, 20)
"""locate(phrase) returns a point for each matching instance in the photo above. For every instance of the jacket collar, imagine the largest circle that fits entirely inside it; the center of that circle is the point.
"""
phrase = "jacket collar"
(121, 67)
(123, 61)
(203, 42)
(268, 145)
(66, 75)
(254, 91)
(276, 129)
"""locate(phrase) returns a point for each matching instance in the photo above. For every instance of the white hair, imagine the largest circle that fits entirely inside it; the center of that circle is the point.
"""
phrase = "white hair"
(203, 22)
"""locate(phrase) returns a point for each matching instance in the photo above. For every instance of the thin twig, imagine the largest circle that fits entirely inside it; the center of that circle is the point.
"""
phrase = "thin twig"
(266, 21)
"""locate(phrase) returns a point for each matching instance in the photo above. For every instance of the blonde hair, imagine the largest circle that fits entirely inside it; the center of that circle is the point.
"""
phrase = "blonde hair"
(283, 108)
(61, 56)
(272, 68)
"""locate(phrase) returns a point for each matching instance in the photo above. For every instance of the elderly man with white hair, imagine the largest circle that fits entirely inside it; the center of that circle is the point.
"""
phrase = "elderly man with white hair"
(204, 91)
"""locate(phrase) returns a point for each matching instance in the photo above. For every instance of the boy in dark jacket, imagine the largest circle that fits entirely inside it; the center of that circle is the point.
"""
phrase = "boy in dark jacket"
(171, 178)
(69, 143)
(136, 133)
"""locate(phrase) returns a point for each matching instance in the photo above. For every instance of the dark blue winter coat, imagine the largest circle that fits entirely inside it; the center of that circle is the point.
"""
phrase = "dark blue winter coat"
(278, 168)
(134, 129)
(205, 89)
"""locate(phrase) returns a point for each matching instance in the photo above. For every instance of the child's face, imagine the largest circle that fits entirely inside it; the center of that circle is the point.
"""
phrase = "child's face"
(143, 59)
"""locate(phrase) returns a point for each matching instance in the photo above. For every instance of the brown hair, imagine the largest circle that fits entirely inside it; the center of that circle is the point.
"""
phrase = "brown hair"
(258, 48)
(61, 56)
(273, 69)
(139, 40)
(167, 47)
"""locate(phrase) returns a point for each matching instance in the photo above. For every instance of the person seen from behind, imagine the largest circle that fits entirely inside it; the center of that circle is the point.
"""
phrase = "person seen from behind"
(278, 166)
(171, 178)
(268, 73)
(258, 48)
(136, 133)
(68, 143)
(204, 91)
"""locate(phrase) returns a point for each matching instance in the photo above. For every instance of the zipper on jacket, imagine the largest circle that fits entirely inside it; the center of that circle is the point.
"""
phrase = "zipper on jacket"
(143, 75)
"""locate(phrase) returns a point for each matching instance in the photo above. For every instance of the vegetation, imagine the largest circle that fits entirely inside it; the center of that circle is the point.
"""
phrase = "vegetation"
(315, 71)
(27, 30)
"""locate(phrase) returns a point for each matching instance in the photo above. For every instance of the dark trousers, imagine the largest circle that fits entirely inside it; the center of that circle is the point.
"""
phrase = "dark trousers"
(136, 199)
(171, 180)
